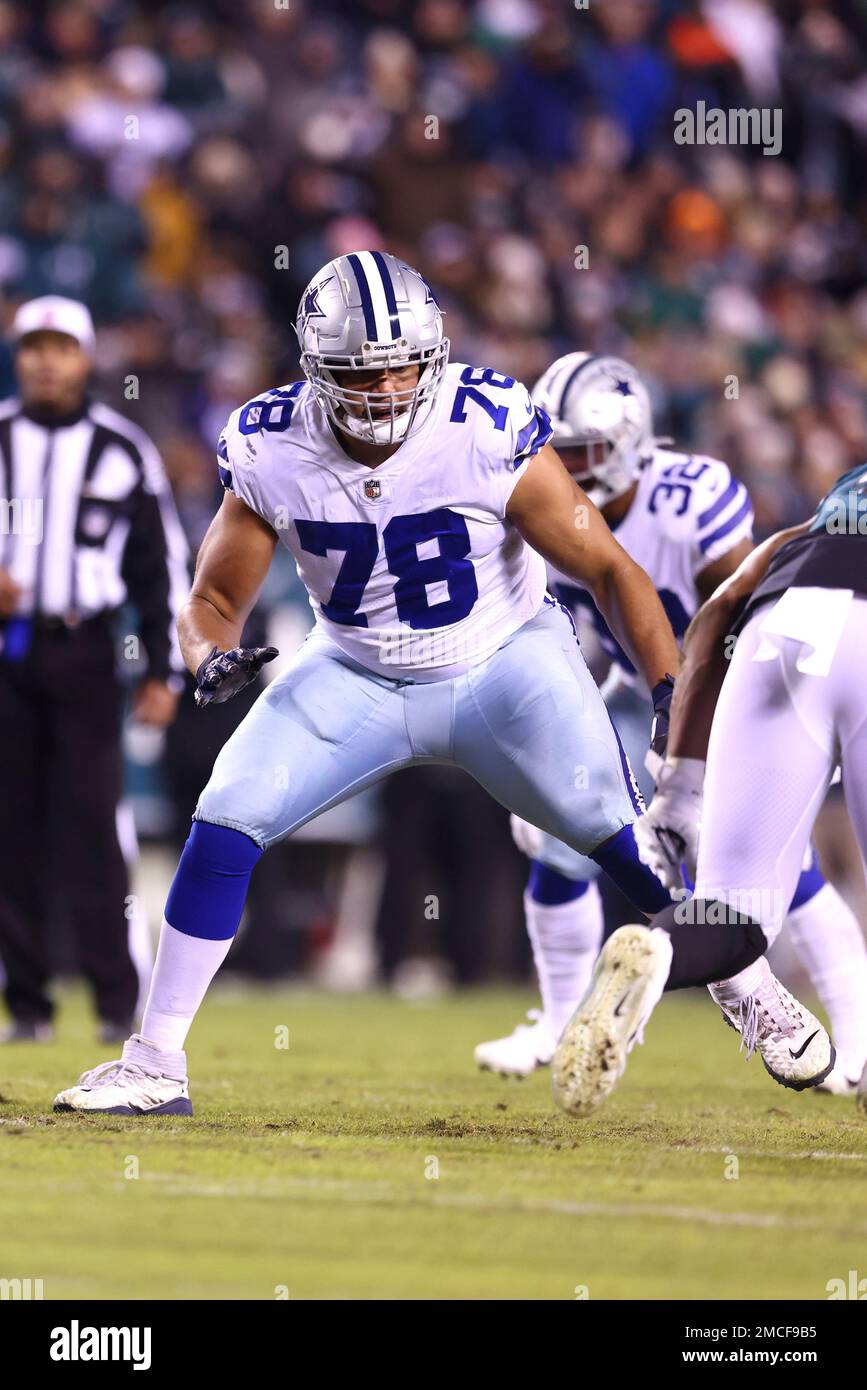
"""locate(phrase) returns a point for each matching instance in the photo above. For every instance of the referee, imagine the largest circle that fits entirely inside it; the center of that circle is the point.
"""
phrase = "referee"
(86, 521)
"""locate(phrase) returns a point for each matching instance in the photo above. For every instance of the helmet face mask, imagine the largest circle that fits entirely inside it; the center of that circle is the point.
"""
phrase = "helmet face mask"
(363, 411)
(379, 417)
(583, 457)
(600, 411)
(351, 300)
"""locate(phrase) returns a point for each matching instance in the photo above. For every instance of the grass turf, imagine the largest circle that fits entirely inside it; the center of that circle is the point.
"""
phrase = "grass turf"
(310, 1170)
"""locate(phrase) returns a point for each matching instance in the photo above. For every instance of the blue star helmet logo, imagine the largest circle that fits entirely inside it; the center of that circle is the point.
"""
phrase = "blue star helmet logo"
(623, 387)
(429, 297)
(311, 308)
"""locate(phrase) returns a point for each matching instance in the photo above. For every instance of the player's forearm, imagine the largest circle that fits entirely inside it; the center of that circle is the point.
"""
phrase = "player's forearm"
(630, 605)
(708, 647)
(201, 627)
(704, 661)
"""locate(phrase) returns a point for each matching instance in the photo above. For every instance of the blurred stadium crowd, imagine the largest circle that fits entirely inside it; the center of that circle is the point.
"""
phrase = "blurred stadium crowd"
(184, 169)
(267, 137)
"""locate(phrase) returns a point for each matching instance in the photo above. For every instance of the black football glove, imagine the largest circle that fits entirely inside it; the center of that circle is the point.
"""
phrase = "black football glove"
(661, 694)
(222, 674)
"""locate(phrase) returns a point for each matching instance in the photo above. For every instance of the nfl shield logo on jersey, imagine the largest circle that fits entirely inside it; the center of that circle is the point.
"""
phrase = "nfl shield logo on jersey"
(373, 489)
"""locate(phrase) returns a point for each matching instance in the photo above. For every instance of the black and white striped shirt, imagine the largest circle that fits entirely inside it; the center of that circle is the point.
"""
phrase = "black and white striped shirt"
(87, 519)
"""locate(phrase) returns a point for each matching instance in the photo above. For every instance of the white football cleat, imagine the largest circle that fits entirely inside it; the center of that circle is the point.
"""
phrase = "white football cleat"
(530, 1046)
(628, 979)
(144, 1081)
(792, 1043)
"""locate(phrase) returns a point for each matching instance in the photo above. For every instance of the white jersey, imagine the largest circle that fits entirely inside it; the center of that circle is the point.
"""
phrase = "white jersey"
(688, 510)
(412, 568)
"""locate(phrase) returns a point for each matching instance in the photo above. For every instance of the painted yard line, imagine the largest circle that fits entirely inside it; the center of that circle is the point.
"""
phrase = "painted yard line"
(760, 1153)
(382, 1193)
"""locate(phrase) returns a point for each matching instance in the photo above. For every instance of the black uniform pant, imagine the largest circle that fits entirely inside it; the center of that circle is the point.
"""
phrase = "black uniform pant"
(60, 781)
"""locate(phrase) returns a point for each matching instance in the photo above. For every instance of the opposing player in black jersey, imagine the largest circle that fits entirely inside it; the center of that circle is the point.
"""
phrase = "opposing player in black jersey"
(768, 704)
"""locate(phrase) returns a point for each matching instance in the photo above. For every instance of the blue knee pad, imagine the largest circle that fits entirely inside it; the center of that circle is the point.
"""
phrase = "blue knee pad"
(549, 888)
(210, 884)
(620, 859)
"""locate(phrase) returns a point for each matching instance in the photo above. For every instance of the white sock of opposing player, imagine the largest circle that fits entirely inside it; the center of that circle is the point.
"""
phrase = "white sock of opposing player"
(746, 982)
(830, 944)
(566, 940)
(185, 966)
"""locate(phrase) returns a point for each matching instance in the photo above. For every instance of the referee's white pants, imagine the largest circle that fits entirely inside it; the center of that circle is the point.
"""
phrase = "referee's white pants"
(792, 707)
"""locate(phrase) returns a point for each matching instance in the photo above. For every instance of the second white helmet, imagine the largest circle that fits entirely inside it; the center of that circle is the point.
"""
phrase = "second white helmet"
(598, 405)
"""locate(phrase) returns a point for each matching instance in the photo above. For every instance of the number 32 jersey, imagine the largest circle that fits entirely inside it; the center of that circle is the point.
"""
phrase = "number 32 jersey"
(687, 512)
(412, 568)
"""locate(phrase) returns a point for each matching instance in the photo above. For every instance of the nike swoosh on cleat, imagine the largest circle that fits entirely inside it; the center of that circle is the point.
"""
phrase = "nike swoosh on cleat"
(801, 1050)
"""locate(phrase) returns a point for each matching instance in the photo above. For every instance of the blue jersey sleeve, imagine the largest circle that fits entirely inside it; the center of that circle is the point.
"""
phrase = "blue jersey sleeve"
(724, 515)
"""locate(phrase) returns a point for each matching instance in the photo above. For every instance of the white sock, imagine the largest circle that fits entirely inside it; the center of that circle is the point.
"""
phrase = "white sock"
(830, 944)
(746, 982)
(566, 941)
(185, 966)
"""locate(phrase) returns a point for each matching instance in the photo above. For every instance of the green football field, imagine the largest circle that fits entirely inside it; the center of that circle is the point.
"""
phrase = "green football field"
(369, 1159)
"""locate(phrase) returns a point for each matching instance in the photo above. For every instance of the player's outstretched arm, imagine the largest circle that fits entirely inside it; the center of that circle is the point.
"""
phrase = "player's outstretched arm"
(667, 834)
(232, 563)
(556, 518)
(705, 653)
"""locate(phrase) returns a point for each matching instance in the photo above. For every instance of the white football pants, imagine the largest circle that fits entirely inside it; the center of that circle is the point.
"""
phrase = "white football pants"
(792, 707)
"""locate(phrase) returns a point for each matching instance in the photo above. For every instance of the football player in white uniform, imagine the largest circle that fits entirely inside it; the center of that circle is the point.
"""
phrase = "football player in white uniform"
(761, 729)
(688, 523)
(418, 500)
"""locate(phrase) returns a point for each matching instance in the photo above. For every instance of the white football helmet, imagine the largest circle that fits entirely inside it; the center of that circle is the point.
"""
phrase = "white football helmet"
(600, 406)
(368, 310)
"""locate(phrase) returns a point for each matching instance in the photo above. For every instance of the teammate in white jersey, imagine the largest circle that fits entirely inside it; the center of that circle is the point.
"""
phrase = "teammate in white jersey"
(688, 523)
(417, 500)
